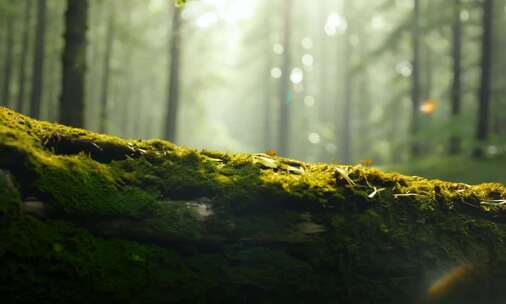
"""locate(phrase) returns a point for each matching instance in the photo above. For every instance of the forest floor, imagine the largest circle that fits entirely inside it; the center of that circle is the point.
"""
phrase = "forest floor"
(456, 169)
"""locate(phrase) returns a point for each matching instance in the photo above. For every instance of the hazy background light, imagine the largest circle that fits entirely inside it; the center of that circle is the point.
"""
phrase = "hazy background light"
(331, 148)
(207, 20)
(276, 73)
(335, 24)
(378, 23)
(297, 76)
(309, 101)
(307, 60)
(464, 15)
(307, 43)
(404, 68)
(314, 138)
(354, 40)
(278, 49)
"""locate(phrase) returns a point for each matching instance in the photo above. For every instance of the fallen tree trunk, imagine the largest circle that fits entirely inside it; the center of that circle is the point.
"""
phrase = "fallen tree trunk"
(86, 218)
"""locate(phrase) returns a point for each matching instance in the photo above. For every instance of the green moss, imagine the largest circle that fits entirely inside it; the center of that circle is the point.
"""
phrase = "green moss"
(272, 229)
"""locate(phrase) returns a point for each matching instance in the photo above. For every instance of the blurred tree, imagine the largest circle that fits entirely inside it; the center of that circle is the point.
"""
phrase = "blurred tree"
(38, 60)
(415, 86)
(363, 85)
(456, 81)
(323, 62)
(74, 63)
(127, 79)
(266, 79)
(285, 94)
(348, 77)
(106, 74)
(24, 56)
(174, 76)
(7, 69)
(482, 129)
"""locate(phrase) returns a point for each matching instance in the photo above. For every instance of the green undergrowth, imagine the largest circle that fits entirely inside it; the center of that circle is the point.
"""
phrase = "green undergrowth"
(151, 222)
(457, 169)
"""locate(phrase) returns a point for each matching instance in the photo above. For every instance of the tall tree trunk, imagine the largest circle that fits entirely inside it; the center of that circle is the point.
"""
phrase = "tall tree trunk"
(20, 101)
(109, 41)
(415, 86)
(364, 102)
(455, 145)
(174, 74)
(348, 92)
(482, 129)
(52, 108)
(323, 65)
(74, 63)
(428, 71)
(126, 118)
(24, 56)
(9, 44)
(284, 89)
(323, 113)
(267, 106)
(38, 60)
(266, 79)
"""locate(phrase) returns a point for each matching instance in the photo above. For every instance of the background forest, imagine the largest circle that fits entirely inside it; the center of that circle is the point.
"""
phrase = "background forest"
(415, 86)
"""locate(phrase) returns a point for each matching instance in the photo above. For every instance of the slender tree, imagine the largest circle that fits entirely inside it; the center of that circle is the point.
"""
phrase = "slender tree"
(24, 56)
(323, 63)
(9, 45)
(346, 139)
(456, 82)
(38, 60)
(174, 75)
(52, 91)
(363, 94)
(482, 128)
(284, 89)
(127, 91)
(106, 74)
(267, 80)
(74, 63)
(415, 85)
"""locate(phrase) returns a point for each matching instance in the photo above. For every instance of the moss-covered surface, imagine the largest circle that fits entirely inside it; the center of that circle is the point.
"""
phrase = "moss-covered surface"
(87, 218)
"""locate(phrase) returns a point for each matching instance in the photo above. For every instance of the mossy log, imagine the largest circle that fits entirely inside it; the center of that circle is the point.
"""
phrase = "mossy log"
(88, 218)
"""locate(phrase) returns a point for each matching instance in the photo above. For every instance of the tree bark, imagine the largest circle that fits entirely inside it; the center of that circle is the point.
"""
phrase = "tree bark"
(174, 77)
(38, 60)
(9, 45)
(285, 94)
(72, 105)
(24, 56)
(109, 41)
(455, 141)
(482, 128)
